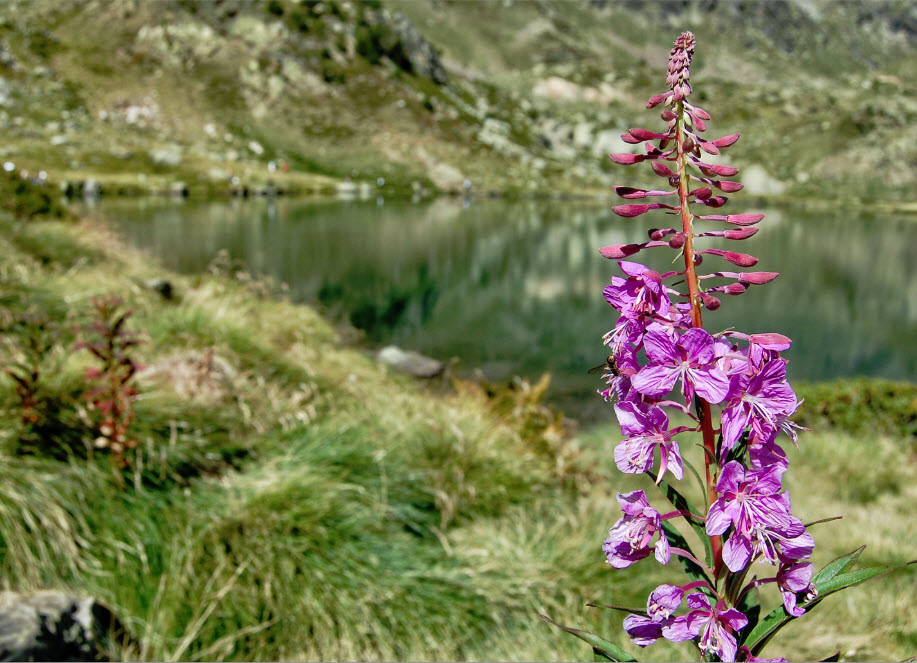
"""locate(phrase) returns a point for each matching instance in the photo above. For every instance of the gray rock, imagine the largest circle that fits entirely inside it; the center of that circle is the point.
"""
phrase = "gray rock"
(52, 626)
(412, 363)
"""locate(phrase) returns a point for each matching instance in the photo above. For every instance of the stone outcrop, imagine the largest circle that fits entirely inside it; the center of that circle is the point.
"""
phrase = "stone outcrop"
(54, 626)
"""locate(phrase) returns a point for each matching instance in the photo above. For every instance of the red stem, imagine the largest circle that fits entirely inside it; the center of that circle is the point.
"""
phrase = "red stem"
(706, 423)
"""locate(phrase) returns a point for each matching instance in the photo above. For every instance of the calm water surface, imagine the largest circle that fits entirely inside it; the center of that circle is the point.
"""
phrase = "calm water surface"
(516, 287)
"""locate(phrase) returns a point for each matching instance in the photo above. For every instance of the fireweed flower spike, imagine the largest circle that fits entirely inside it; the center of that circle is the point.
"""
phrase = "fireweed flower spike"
(663, 359)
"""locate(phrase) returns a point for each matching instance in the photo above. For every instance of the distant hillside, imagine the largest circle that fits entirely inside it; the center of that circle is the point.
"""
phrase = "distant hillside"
(403, 96)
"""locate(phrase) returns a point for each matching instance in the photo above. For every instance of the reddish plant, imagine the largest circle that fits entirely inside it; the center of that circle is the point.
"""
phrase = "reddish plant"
(111, 393)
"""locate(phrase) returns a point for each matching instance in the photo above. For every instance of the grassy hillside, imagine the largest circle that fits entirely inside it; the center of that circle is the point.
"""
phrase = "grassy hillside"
(424, 96)
(290, 498)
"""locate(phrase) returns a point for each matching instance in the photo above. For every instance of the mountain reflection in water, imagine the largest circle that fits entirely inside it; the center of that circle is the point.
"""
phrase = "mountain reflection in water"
(515, 287)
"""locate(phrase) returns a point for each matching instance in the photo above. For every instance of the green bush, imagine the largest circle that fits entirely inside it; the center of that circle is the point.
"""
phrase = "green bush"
(860, 405)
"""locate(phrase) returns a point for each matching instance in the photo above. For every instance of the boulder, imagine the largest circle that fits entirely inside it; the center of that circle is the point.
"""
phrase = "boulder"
(53, 626)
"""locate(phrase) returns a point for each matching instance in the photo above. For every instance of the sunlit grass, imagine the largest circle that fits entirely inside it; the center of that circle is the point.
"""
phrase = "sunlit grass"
(310, 505)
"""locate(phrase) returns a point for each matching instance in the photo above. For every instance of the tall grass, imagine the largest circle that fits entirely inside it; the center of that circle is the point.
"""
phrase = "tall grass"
(313, 506)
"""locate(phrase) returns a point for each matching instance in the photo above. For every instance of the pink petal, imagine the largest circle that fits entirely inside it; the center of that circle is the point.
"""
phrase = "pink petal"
(660, 233)
(741, 233)
(628, 211)
(740, 259)
(627, 159)
(631, 193)
(700, 112)
(726, 186)
(726, 141)
(661, 169)
(702, 192)
(667, 115)
(656, 100)
(627, 138)
(735, 219)
(771, 341)
(645, 134)
(714, 201)
(716, 169)
(617, 251)
(752, 278)
(744, 219)
(709, 148)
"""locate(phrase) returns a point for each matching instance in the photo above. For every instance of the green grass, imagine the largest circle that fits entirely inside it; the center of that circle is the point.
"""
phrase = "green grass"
(295, 500)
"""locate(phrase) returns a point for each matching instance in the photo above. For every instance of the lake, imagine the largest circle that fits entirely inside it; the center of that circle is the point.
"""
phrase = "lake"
(515, 287)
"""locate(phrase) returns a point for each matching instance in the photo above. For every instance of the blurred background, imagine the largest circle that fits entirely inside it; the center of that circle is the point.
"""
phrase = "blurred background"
(434, 175)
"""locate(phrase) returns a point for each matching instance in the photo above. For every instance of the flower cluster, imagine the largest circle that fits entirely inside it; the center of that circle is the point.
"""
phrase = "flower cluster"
(662, 359)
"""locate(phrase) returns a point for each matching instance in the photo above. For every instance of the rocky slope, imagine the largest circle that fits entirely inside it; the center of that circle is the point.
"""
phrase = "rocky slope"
(401, 96)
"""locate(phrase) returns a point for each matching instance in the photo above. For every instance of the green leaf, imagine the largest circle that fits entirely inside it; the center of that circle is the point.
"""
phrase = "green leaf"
(750, 606)
(831, 580)
(839, 565)
(697, 524)
(599, 655)
(601, 647)
(695, 571)
(700, 482)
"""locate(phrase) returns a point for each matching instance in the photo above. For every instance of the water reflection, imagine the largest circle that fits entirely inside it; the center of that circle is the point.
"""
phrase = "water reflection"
(515, 287)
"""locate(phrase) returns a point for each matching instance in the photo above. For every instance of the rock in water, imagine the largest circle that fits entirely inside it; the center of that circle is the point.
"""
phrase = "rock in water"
(52, 626)
(412, 363)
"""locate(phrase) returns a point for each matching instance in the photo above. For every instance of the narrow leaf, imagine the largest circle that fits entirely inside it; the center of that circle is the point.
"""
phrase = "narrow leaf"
(778, 618)
(600, 646)
(840, 565)
(633, 611)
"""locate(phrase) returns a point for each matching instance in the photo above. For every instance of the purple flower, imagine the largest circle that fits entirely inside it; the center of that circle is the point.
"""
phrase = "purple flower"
(763, 453)
(641, 295)
(629, 539)
(749, 501)
(645, 428)
(715, 626)
(793, 579)
(691, 358)
(642, 631)
(757, 401)
(663, 601)
(797, 547)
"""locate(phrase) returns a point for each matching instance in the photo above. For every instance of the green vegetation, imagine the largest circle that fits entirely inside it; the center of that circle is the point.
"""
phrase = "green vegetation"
(517, 98)
(289, 498)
